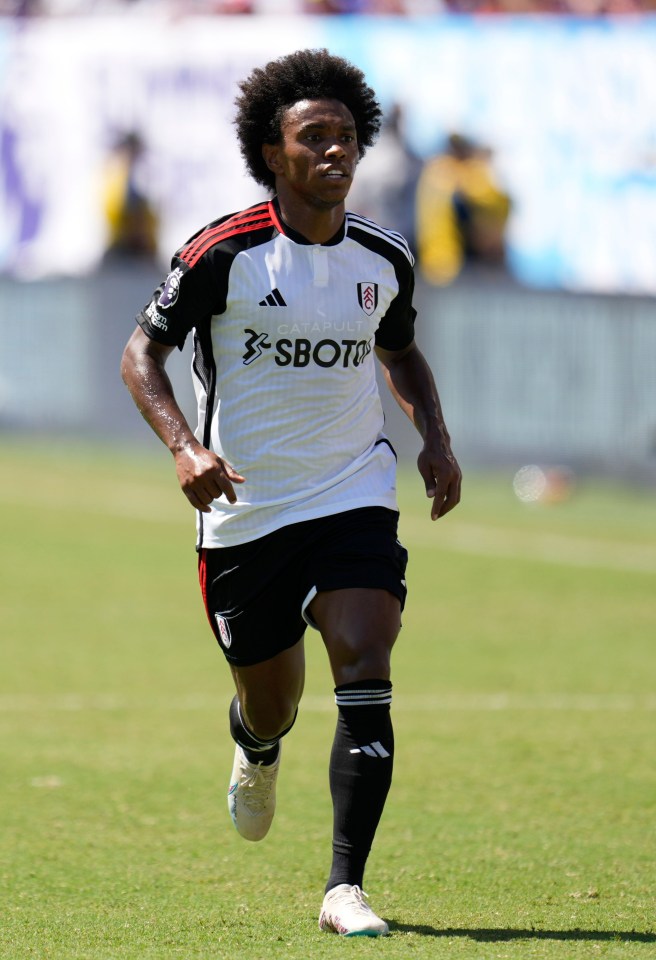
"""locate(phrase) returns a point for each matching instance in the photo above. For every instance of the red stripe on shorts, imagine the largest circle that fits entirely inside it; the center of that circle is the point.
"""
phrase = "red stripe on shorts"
(202, 579)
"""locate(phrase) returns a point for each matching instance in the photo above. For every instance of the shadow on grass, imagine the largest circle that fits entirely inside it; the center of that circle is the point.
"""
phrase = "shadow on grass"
(493, 936)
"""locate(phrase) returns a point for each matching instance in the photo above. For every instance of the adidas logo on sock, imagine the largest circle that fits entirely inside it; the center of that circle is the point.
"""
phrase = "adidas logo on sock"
(375, 749)
(273, 299)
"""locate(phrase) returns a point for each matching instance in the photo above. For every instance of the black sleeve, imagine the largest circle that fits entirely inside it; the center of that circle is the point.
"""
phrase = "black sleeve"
(188, 296)
(397, 328)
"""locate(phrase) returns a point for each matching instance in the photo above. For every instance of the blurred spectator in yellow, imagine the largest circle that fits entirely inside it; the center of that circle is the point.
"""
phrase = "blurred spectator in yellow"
(461, 212)
(131, 219)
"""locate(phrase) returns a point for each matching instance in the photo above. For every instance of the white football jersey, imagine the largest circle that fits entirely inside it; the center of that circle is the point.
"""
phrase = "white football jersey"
(283, 363)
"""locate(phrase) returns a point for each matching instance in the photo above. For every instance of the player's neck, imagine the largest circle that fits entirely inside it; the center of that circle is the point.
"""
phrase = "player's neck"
(316, 224)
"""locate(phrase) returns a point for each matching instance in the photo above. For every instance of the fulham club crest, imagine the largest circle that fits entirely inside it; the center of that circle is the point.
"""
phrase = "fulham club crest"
(368, 296)
(224, 630)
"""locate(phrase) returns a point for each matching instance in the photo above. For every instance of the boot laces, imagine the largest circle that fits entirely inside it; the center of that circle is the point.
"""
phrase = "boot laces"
(354, 898)
(258, 780)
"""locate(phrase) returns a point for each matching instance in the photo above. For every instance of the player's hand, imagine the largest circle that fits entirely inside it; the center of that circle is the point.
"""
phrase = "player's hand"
(204, 477)
(441, 475)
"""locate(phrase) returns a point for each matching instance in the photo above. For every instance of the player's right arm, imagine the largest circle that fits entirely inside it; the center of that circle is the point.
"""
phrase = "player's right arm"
(202, 475)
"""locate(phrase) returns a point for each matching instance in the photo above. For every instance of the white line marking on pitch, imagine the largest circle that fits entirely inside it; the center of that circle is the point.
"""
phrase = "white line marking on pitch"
(543, 547)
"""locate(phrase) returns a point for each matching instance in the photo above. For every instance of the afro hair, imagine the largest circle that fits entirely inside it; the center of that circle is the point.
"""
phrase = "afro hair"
(304, 75)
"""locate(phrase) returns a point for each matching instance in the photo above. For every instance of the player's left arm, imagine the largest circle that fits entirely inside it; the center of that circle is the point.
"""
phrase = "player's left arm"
(412, 384)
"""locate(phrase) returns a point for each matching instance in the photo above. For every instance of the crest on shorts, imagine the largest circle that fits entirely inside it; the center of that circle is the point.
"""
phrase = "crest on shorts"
(224, 630)
(368, 296)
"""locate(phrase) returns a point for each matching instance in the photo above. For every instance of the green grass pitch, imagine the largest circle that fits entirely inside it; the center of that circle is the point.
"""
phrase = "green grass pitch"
(521, 819)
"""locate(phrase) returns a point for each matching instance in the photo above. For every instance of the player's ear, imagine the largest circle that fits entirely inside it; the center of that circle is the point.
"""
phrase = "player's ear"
(271, 154)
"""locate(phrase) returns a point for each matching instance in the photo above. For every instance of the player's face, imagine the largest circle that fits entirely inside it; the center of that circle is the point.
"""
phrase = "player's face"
(318, 152)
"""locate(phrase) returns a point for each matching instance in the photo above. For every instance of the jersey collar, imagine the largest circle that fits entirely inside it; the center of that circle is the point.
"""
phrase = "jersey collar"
(297, 237)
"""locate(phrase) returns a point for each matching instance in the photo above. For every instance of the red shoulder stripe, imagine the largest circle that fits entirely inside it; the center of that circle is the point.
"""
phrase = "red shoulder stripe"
(192, 256)
(245, 215)
(224, 235)
(253, 219)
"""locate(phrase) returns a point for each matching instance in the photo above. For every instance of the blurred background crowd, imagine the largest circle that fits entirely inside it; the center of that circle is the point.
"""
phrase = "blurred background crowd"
(517, 155)
(450, 208)
(583, 8)
(518, 144)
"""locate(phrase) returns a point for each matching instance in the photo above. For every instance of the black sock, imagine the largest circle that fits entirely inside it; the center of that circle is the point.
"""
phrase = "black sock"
(360, 774)
(256, 750)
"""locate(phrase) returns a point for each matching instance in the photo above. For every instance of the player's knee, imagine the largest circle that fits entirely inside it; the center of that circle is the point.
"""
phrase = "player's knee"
(272, 721)
(361, 663)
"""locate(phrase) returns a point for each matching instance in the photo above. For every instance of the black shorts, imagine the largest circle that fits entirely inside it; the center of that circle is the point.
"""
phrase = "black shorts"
(256, 594)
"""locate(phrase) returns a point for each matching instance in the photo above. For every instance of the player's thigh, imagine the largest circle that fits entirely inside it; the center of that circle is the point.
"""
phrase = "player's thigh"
(358, 590)
(359, 627)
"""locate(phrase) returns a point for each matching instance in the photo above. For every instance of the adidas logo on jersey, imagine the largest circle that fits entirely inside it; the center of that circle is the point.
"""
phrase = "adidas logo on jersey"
(273, 299)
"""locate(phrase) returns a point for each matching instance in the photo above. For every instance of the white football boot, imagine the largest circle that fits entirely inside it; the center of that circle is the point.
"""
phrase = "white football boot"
(344, 911)
(252, 795)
